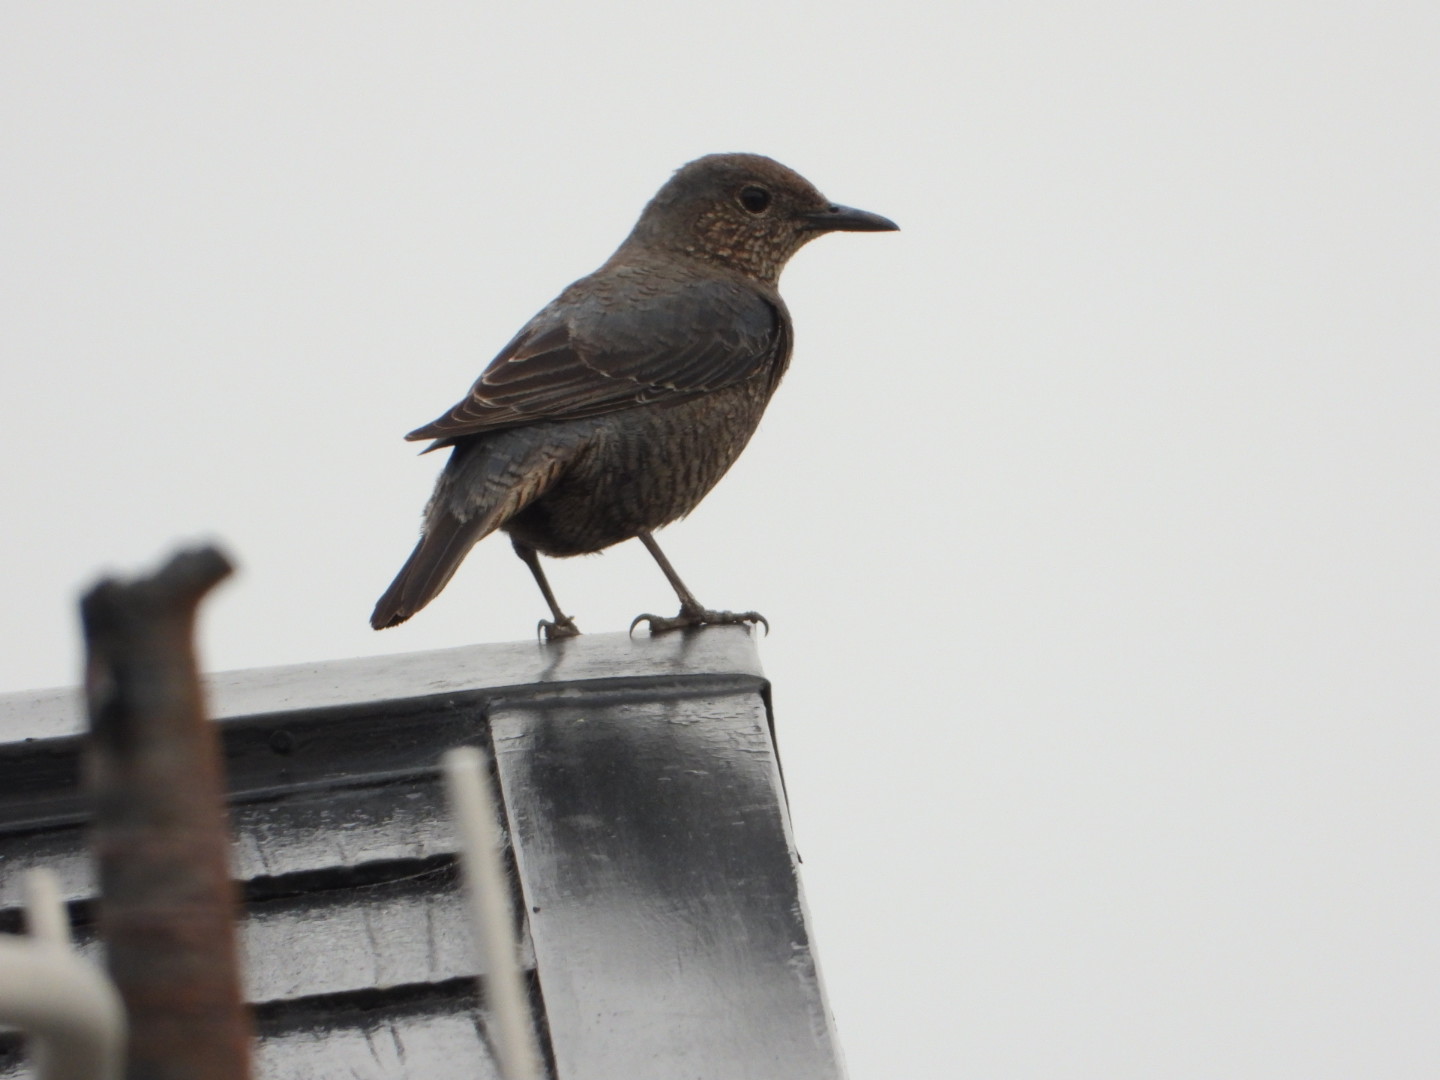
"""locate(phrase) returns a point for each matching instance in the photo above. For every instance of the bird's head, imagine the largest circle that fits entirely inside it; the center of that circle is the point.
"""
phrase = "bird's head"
(746, 211)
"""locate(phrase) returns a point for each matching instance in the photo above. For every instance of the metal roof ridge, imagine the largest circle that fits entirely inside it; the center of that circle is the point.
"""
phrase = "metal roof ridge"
(355, 681)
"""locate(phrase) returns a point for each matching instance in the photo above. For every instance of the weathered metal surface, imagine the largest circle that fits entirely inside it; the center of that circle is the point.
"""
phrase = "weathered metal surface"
(310, 829)
(660, 879)
(404, 932)
(471, 669)
(400, 933)
(435, 1041)
(652, 837)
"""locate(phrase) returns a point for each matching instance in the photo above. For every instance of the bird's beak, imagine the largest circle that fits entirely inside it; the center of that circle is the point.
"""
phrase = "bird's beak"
(847, 219)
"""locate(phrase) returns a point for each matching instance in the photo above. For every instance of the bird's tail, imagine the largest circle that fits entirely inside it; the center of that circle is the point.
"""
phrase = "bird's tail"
(443, 546)
(483, 485)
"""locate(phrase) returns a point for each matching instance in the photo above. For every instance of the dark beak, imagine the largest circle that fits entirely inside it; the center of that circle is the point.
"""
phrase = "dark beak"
(847, 219)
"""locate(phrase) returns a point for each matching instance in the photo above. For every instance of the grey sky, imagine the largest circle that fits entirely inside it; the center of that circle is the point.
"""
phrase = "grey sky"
(1096, 519)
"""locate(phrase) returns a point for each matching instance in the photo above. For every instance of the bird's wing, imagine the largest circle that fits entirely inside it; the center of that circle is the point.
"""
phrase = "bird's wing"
(615, 341)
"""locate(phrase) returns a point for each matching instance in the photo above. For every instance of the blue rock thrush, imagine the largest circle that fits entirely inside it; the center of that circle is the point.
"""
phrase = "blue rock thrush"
(621, 404)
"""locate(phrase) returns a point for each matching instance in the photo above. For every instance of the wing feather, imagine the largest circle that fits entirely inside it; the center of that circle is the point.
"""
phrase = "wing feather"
(618, 339)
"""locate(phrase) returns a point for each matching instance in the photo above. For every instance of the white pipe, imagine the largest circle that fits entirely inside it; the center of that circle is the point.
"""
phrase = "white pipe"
(45, 916)
(472, 802)
(67, 1006)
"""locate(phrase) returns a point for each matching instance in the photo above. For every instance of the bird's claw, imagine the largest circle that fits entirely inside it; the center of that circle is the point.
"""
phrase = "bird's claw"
(694, 618)
(559, 630)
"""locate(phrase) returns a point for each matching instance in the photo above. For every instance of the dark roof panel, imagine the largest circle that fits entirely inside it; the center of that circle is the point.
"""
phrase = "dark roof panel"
(664, 930)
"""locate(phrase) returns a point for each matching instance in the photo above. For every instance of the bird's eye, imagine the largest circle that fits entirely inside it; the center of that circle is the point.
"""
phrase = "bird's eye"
(754, 199)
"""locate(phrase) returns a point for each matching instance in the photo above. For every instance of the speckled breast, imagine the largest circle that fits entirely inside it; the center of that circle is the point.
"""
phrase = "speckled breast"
(642, 468)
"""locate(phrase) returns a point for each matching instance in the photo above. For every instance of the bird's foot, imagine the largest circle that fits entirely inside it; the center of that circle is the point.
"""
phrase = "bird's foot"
(693, 617)
(558, 630)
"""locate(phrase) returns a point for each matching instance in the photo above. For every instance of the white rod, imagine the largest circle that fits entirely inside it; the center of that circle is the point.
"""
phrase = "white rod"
(67, 1005)
(46, 921)
(472, 802)
(45, 916)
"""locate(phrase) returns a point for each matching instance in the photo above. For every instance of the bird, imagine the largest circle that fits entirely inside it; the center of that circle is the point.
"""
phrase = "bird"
(617, 408)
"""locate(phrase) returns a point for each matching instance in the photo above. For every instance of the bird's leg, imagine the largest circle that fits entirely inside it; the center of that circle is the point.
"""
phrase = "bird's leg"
(563, 626)
(692, 612)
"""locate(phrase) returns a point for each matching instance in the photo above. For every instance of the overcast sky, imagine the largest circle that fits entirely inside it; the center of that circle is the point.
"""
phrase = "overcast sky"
(1096, 520)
